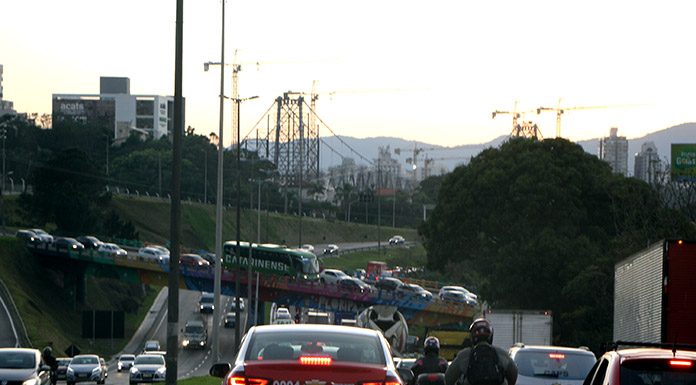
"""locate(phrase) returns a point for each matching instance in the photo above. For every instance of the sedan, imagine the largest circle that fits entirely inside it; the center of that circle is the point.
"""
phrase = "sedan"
(89, 241)
(331, 249)
(148, 368)
(23, 366)
(411, 290)
(193, 260)
(68, 244)
(27, 236)
(397, 240)
(310, 354)
(43, 236)
(85, 368)
(388, 283)
(354, 284)
(331, 276)
(112, 250)
(230, 319)
(457, 296)
(125, 361)
(149, 254)
(62, 369)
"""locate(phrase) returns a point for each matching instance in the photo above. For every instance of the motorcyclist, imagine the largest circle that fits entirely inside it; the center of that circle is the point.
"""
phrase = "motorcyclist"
(462, 369)
(50, 360)
(430, 362)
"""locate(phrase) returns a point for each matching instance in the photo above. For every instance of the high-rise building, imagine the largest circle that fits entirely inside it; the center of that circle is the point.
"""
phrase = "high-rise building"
(614, 150)
(6, 106)
(648, 166)
(147, 115)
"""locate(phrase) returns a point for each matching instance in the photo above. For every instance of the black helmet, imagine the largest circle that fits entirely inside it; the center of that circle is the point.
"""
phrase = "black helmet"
(481, 330)
(431, 344)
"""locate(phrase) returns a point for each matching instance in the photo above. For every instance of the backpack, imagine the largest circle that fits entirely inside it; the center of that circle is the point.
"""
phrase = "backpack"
(484, 366)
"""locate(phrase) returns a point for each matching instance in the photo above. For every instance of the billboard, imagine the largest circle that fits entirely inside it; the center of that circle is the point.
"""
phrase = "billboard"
(684, 162)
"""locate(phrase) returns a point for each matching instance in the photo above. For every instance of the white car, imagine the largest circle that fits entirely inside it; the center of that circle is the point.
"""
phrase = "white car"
(397, 240)
(43, 236)
(332, 276)
(151, 254)
(331, 249)
(148, 368)
(112, 249)
(469, 295)
(307, 247)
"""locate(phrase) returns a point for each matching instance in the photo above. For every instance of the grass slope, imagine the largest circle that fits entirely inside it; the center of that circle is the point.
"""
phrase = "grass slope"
(151, 219)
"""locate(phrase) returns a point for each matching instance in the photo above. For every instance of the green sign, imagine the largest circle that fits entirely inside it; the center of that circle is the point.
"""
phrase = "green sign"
(684, 162)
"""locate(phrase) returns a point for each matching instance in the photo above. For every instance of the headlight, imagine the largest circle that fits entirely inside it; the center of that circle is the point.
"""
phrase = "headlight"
(202, 343)
(161, 371)
(96, 370)
(185, 343)
(70, 370)
(134, 370)
(31, 381)
(120, 366)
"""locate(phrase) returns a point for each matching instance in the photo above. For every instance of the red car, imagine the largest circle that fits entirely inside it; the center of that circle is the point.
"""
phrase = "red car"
(193, 260)
(647, 364)
(310, 355)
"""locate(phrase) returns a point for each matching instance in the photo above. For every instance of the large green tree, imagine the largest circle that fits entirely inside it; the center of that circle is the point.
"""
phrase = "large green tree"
(539, 225)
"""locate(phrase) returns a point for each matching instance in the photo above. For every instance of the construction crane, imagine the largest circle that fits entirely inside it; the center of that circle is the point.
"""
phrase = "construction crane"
(561, 110)
(526, 128)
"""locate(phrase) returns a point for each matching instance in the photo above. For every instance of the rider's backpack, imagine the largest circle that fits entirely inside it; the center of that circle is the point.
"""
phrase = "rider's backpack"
(484, 366)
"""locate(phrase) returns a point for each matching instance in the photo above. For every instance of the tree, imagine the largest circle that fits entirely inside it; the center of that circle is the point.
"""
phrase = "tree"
(538, 225)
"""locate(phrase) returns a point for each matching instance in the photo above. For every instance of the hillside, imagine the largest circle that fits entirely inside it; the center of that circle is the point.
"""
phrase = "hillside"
(151, 219)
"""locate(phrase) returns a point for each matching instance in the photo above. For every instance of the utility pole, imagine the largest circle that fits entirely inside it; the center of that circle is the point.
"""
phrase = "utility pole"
(172, 355)
(379, 205)
(300, 102)
(205, 176)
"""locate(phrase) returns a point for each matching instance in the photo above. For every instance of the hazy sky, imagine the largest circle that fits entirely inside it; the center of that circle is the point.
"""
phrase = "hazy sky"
(431, 71)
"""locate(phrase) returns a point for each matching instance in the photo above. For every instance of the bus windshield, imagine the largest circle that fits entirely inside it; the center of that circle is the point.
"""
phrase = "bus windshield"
(310, 265)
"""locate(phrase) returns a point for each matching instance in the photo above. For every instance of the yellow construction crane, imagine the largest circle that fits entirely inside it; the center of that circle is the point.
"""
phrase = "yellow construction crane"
(526, 128)
(561, 110)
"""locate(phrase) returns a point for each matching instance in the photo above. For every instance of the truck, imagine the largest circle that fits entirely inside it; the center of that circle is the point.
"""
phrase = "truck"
(530, 327)
(654, 294)
(374, 271)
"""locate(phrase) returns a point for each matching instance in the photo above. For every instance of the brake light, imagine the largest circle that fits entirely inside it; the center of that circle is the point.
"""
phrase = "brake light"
(314, 360)
(681, 363)
(557, 356)
(238, 378)
(389, 381)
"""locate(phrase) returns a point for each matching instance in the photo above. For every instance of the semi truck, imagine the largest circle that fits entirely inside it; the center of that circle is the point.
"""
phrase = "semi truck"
(530, 327)
(654, 294)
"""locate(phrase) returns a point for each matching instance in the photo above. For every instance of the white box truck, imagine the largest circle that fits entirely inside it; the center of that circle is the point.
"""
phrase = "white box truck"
(531, 327)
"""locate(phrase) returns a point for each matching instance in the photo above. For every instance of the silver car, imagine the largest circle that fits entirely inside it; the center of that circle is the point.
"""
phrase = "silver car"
(550, 365)
(85, 368)
(23, 366)
(148, 368)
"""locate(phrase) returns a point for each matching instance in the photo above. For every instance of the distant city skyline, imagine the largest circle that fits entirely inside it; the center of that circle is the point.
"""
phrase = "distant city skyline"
(432, 73)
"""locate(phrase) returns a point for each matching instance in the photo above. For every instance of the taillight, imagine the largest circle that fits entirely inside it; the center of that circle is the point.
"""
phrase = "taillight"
(391, 380)
(315, 360)
(681, 363)
(557, 356)
(238, 378)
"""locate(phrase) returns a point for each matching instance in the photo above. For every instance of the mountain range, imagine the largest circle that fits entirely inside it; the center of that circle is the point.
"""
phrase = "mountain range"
(447, 158)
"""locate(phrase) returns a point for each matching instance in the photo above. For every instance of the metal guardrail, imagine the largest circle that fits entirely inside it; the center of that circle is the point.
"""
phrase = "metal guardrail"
(22, 335)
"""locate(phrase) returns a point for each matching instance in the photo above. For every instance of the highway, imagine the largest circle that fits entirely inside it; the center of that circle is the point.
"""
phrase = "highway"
(191, 363)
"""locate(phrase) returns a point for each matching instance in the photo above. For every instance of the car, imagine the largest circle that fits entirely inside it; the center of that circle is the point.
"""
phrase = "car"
(125, 361)
(149, 254)
(331, 249)
(233, 304)
(354, 284)
(360, 274)
(62, 367)
(27, 236)
(193, 261)
(397, 240)
(458, 288)
(112, 250)
(68, 244)
(195, 335)
(307, 247)
(206, 304)
(457, 296)
(331, 276)
(151, 346)
(311, 354)
(388, 283)
(104, 366)
(230, 319)
(411, 290)
(645, 363)
(283, 317)
(148, 368)
(43, 236)
(548, 365)
(89, 241)
(23, 366)
(85, 368)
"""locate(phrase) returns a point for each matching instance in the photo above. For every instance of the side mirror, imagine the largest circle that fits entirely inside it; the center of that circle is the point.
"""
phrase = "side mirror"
(220, 369)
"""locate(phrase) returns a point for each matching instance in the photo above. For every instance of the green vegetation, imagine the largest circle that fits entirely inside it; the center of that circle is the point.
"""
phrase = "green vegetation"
(204, 380)
(539, 225)
(393, 256)
(44, 298)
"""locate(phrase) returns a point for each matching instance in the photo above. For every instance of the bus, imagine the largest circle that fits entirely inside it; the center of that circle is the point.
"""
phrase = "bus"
(272, 259)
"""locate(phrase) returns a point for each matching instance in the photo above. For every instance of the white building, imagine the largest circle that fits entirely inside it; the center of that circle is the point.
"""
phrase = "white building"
(151, 115)
(614, 150)
(648, 166)
(6, 106)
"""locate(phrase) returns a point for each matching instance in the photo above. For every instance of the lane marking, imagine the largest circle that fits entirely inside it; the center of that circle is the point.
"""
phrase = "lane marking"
(9, 317)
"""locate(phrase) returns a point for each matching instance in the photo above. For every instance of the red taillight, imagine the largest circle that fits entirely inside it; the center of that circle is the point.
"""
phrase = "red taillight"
(390, 381)
(239, 379)
(315, 360)
(681, 363)
(557, 356)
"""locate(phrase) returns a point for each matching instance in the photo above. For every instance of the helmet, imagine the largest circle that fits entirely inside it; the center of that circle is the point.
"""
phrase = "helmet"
(481, 330)
(431, 344)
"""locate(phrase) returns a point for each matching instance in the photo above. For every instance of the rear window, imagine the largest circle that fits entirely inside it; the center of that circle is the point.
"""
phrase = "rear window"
(341, 347)
(554, 364)
(662, 371)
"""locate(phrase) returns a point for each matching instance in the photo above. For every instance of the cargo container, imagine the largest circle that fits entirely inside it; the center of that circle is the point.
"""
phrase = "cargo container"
(530, 327)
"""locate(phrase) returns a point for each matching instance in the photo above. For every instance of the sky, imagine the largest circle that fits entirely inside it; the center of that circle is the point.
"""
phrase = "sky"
(429, 71)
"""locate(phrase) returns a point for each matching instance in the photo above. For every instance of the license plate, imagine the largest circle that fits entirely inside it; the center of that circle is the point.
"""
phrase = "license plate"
(147, 375)
(82, 375)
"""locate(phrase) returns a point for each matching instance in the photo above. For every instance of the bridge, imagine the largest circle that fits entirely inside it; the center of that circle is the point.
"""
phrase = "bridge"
(275, 288)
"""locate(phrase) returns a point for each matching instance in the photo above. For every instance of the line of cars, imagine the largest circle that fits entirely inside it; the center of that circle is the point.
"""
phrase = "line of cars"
(39, 237)
(147, 367)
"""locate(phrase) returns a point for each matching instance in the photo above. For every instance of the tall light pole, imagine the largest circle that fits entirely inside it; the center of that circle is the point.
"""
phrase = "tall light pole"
(237, 288)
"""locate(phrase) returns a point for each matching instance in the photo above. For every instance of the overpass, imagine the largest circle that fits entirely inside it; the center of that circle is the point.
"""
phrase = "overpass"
(274, 288)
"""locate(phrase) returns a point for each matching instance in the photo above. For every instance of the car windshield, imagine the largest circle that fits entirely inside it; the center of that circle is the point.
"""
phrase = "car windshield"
(345, 347)
(127, 358)
(149, 360)
(84, 360)
(554, 364)
(17, 359)
(194, 329)
(656, 371)
(207, 299)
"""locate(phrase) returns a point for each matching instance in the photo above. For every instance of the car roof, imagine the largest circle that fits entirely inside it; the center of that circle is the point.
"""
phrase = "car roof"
(194, 322)
(314, 328)
(551, 348)
(646, 353)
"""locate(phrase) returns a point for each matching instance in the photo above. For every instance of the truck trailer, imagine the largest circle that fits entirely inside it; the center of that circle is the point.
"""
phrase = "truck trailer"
(655, 294)
(530, 327)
